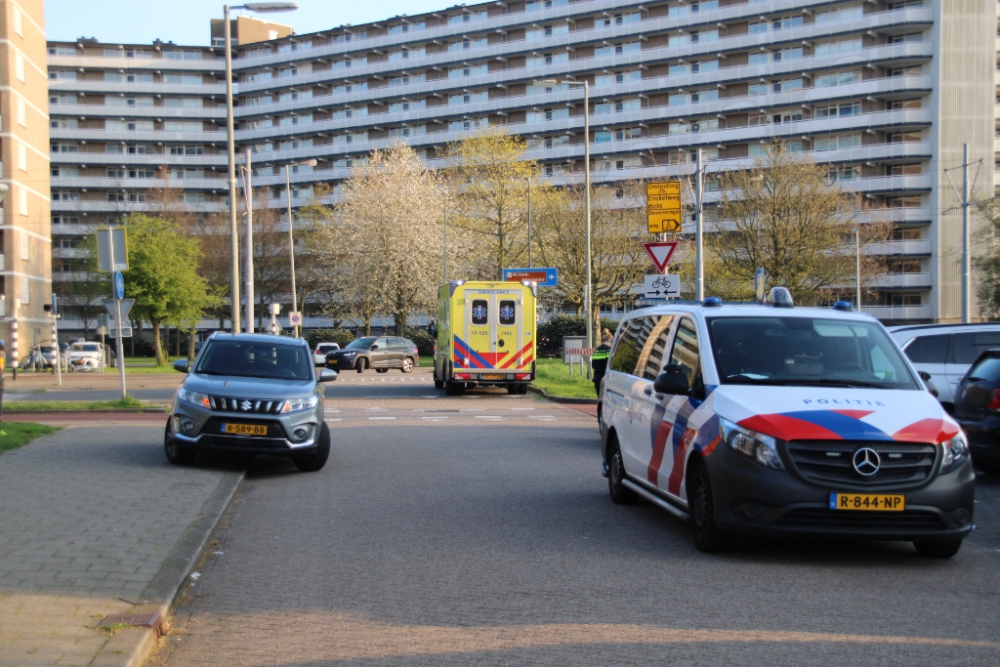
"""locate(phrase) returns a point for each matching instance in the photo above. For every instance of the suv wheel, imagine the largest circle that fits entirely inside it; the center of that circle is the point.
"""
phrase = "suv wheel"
(407, 365)
(361, 365)
(176, 453)
(316, 460)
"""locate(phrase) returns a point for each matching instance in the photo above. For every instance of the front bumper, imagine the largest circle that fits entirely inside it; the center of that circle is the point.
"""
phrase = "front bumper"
(752, 499)
(207, 434)
(984, 438)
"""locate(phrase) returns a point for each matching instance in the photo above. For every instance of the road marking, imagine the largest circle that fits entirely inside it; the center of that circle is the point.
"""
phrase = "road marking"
(494, 417)
(379, 418)
(434, 419)
(335, 419)
(375, 409)
(541, 416)
(511, 408)
(329, 409)
(425, 397)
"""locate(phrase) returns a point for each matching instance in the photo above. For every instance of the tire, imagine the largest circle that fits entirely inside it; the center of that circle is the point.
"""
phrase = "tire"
(176, 453)
(616, 473)
(945, 549)
(381, 370)
(407, 365)
(705, 534)
(513, 389)
(316, 460)
(454, 388)
(438, 384)
(361, 365)
(522, 389)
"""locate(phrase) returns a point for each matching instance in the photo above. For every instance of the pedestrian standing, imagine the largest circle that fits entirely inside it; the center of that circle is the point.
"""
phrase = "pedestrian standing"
(599, 360)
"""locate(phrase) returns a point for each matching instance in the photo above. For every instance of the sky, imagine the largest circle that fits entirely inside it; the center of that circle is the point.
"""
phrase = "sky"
(187, 21)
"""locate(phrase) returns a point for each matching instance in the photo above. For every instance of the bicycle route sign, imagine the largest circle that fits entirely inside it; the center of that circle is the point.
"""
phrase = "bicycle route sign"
(661, 286)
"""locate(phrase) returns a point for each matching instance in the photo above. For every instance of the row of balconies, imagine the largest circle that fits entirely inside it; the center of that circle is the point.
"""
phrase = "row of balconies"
(663, 113)
(217, 114)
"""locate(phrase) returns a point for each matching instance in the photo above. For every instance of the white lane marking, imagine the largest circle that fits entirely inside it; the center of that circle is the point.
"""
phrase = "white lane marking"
(375, 409)
(428, 397)
(434, 419)
(494, 417)
(379, 418)
(541, 416)
(331, 410)
(335, 419)
(522, 408)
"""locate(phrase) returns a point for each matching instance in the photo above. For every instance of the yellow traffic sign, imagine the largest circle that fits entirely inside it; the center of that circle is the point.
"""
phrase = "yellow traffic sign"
(663, 207)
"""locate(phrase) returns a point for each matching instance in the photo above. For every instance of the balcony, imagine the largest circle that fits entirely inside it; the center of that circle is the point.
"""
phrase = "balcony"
(899, 313)
(116, 88)
(916, 247)
(104, 111)
(118, 184)
(137, 65)
(103, 136)
(96, 206)
(119, 160)
(911, 280)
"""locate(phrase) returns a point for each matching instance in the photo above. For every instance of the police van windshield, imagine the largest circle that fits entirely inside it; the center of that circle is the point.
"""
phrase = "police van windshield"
(806, 351)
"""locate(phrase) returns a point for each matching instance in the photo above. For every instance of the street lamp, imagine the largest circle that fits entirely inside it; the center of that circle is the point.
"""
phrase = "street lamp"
(234, 245)
(291, 241)
(586, 194)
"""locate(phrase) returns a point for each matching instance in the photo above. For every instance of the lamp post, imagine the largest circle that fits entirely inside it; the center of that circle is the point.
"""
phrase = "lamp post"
(291, 240)
(857, 266)
(586, 178)
(234, 244)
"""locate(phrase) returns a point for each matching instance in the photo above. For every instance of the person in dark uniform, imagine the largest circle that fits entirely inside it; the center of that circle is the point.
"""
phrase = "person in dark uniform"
(599, 360)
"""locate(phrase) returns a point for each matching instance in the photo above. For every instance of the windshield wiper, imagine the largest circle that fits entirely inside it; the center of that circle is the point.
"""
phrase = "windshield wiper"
(837, 383)
(743, 378)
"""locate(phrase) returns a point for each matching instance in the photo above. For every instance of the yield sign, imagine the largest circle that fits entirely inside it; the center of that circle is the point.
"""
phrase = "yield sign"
(661, 252)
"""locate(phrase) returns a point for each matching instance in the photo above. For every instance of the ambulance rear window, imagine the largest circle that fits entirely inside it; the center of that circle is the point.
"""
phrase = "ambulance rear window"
(480, 312)
(507, 313)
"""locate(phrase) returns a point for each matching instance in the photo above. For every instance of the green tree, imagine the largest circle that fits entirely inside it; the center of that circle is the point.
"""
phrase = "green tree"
(163, 275)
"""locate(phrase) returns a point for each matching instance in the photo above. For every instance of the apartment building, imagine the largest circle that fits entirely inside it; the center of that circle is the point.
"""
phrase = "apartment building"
(25, 265)
(882, 93)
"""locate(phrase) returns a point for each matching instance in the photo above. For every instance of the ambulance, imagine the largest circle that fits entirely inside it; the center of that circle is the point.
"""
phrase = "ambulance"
(486, 336)
(772, 420)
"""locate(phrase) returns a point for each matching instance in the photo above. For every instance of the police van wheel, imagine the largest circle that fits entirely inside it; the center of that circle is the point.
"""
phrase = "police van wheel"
(616, 473)
(945, 549)
(705, 534)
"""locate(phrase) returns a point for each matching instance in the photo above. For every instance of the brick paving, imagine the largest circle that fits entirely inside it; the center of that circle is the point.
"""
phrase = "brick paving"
(89, 516)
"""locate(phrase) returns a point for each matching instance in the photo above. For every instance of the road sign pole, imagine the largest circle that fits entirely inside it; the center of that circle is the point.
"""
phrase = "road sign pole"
(699, 256)
(119, 347)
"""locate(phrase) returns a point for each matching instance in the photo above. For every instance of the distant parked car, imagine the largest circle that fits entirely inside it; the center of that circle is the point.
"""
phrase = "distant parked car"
(322, 349)
(977, 409)
(946, 351)
(48, 356)
(381, 353)
(85, 356)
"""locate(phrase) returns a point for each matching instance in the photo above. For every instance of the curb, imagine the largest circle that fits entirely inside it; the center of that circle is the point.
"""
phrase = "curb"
(561, 399)
(130, 647)
(8, 411)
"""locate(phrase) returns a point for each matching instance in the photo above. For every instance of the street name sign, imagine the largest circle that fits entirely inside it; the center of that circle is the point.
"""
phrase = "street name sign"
(541, 276)
(659, 286)
(663, 207)
(661, 252)
(105, 237)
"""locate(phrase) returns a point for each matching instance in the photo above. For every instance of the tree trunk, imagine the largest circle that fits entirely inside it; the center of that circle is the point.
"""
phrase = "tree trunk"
(157, 344)
(368, 326)
(400, 320)
(191, 338)
(177, 347)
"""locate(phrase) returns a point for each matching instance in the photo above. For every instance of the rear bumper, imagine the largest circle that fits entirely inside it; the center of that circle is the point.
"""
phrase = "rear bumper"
(983, 437)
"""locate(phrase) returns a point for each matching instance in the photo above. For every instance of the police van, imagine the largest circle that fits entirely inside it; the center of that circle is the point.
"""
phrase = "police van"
(486, 336)
(775, 420)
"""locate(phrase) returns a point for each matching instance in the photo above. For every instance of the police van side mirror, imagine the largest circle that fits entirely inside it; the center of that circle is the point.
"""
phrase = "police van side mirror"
(673, 380)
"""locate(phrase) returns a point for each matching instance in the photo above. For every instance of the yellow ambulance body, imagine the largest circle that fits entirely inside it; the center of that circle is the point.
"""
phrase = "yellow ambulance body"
(486, 336)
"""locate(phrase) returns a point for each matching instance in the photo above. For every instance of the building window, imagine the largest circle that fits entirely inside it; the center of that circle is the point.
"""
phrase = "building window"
(22, 157)
(19, 67)
(23, 202)
(25, 246)
(22, 112)
(18, 21)
(25, 291)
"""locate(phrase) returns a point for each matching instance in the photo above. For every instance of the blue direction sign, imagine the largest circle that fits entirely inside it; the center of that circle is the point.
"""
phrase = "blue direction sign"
(119, 285)
(543, 277)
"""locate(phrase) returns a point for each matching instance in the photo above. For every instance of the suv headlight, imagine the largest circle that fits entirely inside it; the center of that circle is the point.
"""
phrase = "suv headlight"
(296, 404)
(955, 451)
(193, 397)
(761, 448)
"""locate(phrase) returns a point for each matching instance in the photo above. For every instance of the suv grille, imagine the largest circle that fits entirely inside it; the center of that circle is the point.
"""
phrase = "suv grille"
(830, 461)
(245, 405)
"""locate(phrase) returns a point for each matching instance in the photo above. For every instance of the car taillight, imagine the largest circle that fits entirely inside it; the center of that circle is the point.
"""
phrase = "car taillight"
(994, 404)
(522, 376)
(463, 376)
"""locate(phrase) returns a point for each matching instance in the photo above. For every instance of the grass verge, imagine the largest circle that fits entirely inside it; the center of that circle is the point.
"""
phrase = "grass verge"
(128, 403)
(18, 434)
(553, 376)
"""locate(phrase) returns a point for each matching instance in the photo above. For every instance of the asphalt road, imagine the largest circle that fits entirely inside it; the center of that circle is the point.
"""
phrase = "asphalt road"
(478, 531)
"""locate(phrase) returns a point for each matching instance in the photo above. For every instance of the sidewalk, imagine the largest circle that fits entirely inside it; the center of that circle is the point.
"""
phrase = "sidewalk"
(29, 383)
(95, 522)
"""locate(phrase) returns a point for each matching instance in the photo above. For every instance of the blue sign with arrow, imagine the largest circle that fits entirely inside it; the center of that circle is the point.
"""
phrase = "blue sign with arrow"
(119, 285)
(542, 276)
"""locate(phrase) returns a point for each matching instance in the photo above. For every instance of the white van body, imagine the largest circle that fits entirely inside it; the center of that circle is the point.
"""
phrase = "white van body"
(946, 351)
(820, 412)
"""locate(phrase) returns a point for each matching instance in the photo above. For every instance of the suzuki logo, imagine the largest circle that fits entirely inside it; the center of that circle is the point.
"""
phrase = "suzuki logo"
(245, 406)
(866, 461)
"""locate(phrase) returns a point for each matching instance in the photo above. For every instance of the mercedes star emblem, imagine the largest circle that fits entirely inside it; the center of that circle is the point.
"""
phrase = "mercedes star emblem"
(866, 461)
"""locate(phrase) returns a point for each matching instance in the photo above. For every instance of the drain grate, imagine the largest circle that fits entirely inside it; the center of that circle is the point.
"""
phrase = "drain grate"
(152, 620)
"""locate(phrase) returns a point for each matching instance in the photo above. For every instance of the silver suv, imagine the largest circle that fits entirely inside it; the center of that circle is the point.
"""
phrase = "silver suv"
(251, 393)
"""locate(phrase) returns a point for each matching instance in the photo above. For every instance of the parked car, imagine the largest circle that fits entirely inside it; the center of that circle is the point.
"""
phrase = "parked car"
(776, 421)
(85, 356)
(946, 351)
(977, 409)
(380, 353)
(251, 393)
(48, 355)
(322, 349)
